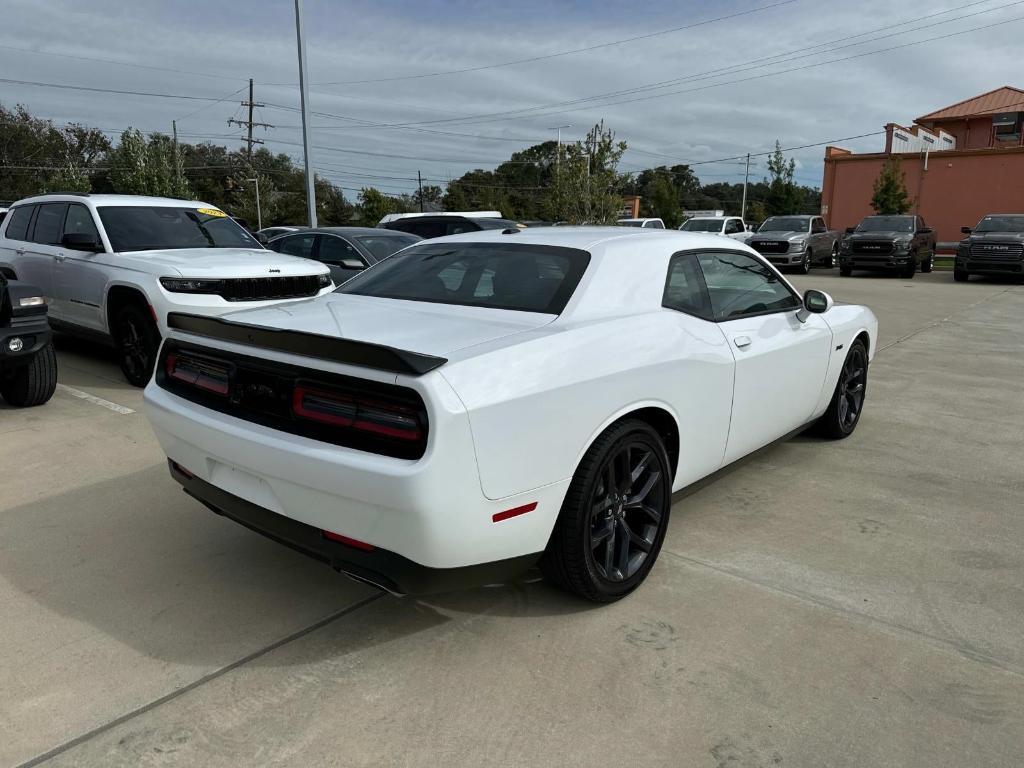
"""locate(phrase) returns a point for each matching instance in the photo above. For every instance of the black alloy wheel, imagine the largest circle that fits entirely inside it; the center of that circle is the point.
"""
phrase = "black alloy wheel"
(844, 411)
(137, 343)
(834, 257)
(805, 265)
(910, 269)
(613, 521)
(926, 265)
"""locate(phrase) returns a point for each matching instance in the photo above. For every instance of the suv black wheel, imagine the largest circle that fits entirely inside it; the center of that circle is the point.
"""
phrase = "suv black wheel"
(834, 258)
(614, 517)
(805, 265)
(910, 269)
(926, 265)
(844, 410)
(961, 275)
(32, 383)
(137, 341)
(845, 271)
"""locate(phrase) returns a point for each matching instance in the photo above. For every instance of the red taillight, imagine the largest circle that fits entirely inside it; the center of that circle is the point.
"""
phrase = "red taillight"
(343, 410)
(497, 517)
(355, 543)
(198, 372)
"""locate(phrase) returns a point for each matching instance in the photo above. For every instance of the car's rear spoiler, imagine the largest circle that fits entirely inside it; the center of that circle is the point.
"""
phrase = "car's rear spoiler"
(307, 344)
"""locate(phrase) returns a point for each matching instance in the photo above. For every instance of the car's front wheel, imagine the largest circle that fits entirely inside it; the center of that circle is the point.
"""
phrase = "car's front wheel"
(961, 275)
(832, 259)
(845, 271)
(32, 383)
(847, 404)
(926, 265)
(138, 339)
(805, 265)
(613, 520)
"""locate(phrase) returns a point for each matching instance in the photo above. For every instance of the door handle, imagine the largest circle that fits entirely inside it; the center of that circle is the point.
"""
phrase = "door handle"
(60, 257)
(742, 341)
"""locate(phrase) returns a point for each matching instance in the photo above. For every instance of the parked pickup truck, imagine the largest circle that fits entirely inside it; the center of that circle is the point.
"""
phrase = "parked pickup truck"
(28, 365)
(994, 247)
(797, 241)
(727, 226)
(888, 243)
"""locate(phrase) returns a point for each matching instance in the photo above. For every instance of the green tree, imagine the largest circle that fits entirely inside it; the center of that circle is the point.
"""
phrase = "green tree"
(375, 205)
(127, 165)
(588, 188)
(890, 190)
(784, 196)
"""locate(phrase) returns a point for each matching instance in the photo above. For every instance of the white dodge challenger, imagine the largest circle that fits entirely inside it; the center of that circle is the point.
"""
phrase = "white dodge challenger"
(478, 403)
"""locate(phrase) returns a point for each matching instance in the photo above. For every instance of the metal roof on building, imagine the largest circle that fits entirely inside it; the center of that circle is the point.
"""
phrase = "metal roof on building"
(1005, 99)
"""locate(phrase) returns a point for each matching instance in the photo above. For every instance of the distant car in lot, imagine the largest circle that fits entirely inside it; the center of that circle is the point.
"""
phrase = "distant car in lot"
(479, 402)
(994, 247)
(28, 365)
(267, 234)
(797, 241)
(430, 225)
(113, 266)
(888, 243)
(728, 226)
(642, 223)
(3, 214)
(345, 250)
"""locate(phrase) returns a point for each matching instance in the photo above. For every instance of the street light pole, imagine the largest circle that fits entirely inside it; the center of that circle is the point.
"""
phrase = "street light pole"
(558, 154)
(259, 211)
(304, 103)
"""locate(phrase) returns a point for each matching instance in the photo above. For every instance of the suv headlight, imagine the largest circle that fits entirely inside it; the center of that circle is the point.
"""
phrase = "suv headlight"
(32, 301)
(190, 285)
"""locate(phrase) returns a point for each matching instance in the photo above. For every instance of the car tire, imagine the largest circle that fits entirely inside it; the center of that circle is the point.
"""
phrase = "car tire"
(847, 404)
(961, 275)
(807, 263)
(137, 339)
(33, 383)
(926, 265)
(614, 517)
(845, 271)
(908, 273)
(834, 257)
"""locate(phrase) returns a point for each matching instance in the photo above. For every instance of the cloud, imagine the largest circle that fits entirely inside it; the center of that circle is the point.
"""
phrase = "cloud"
(223, 44)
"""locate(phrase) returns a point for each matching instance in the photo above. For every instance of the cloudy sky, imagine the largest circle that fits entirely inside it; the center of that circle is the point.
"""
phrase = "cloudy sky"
(705, 81)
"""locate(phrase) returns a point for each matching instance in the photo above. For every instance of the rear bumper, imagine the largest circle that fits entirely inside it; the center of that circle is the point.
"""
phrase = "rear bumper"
(379, 567)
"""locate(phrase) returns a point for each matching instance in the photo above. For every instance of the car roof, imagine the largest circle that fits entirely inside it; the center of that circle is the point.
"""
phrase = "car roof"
(587, 238)
(375, 231)
(120, 200)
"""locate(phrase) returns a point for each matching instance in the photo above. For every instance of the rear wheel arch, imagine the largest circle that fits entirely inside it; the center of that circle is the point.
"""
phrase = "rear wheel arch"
(658, 417)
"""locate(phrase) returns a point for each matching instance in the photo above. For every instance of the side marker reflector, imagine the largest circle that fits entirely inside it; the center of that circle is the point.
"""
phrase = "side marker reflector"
(497, 517)
(355, 543)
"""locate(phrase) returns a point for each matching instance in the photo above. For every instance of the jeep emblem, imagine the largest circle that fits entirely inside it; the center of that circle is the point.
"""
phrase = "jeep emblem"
(273, 271)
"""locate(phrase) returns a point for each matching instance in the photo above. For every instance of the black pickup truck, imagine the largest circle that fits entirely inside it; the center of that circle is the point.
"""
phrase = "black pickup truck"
(28, 365)
(888, 243)
(994, 247)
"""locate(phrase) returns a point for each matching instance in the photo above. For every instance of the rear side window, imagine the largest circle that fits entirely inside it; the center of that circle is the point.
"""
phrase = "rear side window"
(79, 221)
(297, 245)
(527, 278)
(18, 219)
(684, 288)
(49, 223)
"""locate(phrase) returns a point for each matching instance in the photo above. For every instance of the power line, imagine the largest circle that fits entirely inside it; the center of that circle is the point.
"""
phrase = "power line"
(90, 89)
(545, 57)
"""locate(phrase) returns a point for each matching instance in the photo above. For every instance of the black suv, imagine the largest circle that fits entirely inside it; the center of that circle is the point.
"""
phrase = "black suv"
(438, 226)
(28, 365)
(890, 243)
(994, 247)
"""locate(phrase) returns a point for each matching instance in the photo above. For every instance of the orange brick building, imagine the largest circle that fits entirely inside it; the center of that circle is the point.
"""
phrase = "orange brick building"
(959, 163)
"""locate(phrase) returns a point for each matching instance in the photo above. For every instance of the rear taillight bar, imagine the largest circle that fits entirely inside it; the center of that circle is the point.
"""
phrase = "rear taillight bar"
(198, 372)
(345, 410)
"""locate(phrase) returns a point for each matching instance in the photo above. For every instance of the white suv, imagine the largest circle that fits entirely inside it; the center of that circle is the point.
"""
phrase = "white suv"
(113, 266)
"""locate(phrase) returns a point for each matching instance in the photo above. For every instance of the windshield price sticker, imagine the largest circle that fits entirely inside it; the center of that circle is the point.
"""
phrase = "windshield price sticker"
(212, 212)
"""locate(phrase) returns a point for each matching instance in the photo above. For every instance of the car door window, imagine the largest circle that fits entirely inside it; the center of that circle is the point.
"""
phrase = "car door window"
(334, 250)
(739, 285)
(49, 223)
(684, 287)
(79, 222)
(817, 226)
(299, 245)
(17, 222)
(733, 227)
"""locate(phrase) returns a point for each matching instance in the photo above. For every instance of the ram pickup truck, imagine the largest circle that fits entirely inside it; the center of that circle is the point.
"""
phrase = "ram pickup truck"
(994, 247)
(28, 365)
(888, 243)
(727, 226)
(799, 242)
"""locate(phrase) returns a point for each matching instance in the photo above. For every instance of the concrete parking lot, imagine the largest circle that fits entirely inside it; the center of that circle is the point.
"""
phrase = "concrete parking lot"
(823, 604)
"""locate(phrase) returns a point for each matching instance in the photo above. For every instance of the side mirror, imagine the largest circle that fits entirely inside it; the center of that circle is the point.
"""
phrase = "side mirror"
(81, 241)
(925, 231)
(352, 264)
(815, 303)
(263, 239)
(850, 230)
(966, 230)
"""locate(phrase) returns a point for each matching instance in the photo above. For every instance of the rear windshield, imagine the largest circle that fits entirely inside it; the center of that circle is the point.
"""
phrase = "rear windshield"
(1001, 224)
(383, 246)
(702, 225)
(527, 278)
(152, 228)
(887, 224)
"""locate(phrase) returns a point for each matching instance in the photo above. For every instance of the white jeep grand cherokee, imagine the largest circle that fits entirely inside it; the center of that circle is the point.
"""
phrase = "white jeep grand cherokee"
(113, 266)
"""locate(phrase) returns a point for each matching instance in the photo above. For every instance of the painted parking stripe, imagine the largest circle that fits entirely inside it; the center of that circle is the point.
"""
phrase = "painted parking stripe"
(93, 399)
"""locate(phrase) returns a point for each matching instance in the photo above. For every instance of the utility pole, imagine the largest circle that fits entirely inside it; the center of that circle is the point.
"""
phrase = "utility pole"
(558, 153)
(304, 99)
(259, 210)
(746, 178)
(419, 181)
(249, 124)
(174, 134)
